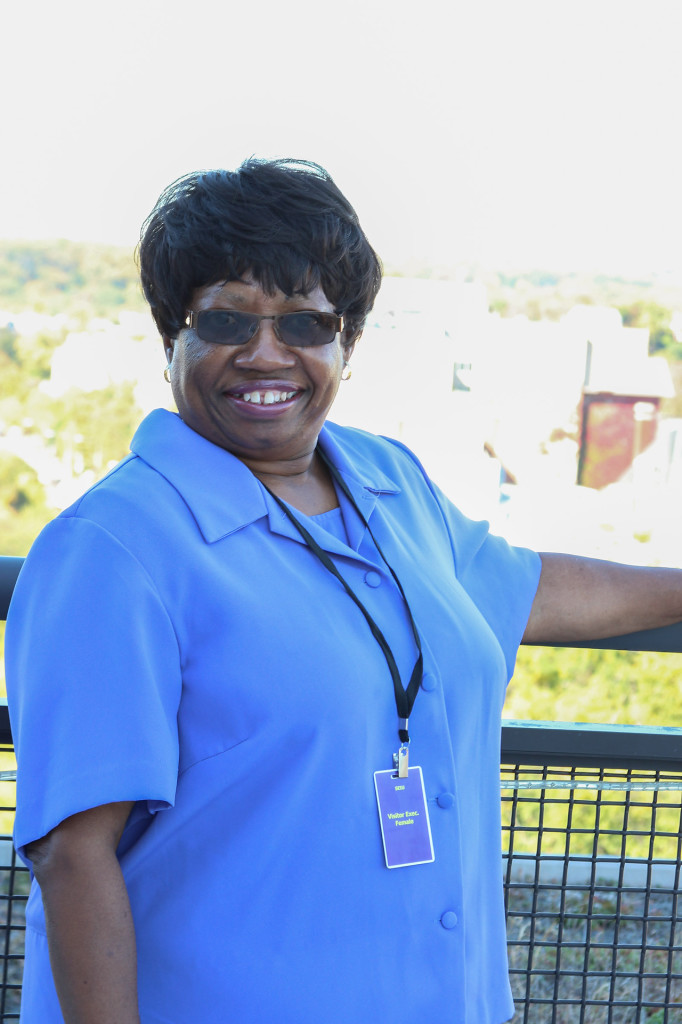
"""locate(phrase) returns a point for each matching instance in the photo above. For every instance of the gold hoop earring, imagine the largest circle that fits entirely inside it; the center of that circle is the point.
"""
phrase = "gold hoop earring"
(166, 374)
(348, 372)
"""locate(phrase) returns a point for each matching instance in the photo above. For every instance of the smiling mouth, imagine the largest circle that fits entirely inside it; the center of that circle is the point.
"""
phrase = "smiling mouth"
(265, 397)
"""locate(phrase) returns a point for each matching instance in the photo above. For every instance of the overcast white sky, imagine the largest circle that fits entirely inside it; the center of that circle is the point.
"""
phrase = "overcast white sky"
(514, 132)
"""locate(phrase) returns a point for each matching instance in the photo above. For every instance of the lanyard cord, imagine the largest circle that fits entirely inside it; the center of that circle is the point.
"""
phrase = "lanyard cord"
(404, 697)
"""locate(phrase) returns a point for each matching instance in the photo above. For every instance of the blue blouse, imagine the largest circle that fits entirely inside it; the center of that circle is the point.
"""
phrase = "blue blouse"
(172, 641)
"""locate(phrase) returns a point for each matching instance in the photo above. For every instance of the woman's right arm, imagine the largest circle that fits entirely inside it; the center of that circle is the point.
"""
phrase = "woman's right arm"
(89, 923)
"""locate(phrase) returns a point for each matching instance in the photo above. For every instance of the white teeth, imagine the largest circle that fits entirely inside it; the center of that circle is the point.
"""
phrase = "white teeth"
(268, 397)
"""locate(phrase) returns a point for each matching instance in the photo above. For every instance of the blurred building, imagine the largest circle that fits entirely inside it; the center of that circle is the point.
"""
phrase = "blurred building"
(482, 398)
(621, 401)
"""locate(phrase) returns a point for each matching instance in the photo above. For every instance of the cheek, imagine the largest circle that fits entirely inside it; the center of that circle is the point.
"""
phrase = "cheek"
(199, 360)
(334, 363)
(332, 376)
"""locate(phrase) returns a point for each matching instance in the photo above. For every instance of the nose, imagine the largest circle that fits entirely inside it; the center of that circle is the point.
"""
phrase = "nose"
(264, 350)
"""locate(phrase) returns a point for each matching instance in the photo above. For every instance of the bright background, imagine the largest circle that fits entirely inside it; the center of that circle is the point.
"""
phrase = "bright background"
(527, 133)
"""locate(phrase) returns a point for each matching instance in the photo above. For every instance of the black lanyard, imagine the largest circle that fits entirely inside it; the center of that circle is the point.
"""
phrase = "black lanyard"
(404, 696)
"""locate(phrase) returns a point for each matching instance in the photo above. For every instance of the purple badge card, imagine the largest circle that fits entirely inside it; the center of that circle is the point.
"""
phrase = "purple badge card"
(404, 819)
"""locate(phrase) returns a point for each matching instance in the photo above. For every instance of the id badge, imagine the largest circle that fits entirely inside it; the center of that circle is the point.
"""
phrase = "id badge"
(404, 818)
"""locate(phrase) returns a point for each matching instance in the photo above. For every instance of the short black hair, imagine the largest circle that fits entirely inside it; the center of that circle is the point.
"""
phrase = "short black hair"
(283, 222)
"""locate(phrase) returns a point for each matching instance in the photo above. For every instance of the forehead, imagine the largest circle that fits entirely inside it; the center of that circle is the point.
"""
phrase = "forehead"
(249, 295)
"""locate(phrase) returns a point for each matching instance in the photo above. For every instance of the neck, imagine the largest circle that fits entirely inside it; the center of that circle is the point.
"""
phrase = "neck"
(306, 485)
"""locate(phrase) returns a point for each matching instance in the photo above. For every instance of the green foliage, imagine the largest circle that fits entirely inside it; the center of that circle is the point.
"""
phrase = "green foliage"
(549, 296)
(673, 406)
(24, 509)
(54, 277)
(499, 305)
(576, 685)
(656, 319)
(24, 363)
(92, 429)
(86, 430)
(8, 344)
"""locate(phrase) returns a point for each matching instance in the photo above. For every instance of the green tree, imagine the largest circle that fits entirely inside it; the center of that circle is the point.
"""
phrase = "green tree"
(23, 509)
(578, 685)
(657, 319)
(51, 277)
(92, 429)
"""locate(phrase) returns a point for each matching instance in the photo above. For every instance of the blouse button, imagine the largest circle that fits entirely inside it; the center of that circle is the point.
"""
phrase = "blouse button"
(449, 919)
(445, 800)
(372, 578)
(429, 682)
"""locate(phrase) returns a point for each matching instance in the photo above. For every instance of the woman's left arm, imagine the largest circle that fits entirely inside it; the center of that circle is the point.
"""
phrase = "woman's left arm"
(588, 599)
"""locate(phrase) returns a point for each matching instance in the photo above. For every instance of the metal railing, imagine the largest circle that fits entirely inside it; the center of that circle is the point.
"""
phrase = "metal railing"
(592, 837)
(14, 877)
(592, 822)
(592, 848)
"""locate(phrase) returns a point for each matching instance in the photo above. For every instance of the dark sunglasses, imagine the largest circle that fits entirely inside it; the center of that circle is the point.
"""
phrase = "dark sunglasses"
(298, 330)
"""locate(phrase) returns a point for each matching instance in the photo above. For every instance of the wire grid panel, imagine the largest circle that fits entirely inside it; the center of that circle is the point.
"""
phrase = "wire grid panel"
(592, 878)
(592, 873)
(14, 886)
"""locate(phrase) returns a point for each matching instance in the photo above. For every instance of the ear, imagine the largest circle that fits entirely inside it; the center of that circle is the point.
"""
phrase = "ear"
(168, 347)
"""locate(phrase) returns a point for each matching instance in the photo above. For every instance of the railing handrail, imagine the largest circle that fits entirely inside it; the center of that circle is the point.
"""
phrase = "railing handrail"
(579, 744)
(5, 727)
(9, 571)
(563, 744)
(666, 639)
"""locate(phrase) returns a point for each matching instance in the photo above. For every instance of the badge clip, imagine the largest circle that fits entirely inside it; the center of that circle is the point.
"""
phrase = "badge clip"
(401, 761)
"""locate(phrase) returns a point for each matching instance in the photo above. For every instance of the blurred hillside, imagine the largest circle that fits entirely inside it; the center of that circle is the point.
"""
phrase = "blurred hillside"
(81, 279)
(87, 280)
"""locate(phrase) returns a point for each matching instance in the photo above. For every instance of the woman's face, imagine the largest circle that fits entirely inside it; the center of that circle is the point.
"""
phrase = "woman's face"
(210, 381)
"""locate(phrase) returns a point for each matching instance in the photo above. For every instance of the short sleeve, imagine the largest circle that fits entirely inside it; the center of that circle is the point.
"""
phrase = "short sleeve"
(500, 579)
(93, 680)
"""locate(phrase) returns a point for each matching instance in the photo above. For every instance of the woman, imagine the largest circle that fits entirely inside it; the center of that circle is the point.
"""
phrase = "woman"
(212, 653)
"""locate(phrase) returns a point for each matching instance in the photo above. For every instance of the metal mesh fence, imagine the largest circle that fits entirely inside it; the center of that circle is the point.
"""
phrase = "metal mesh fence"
(14, 885)
(592, 891)
(592, 871)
